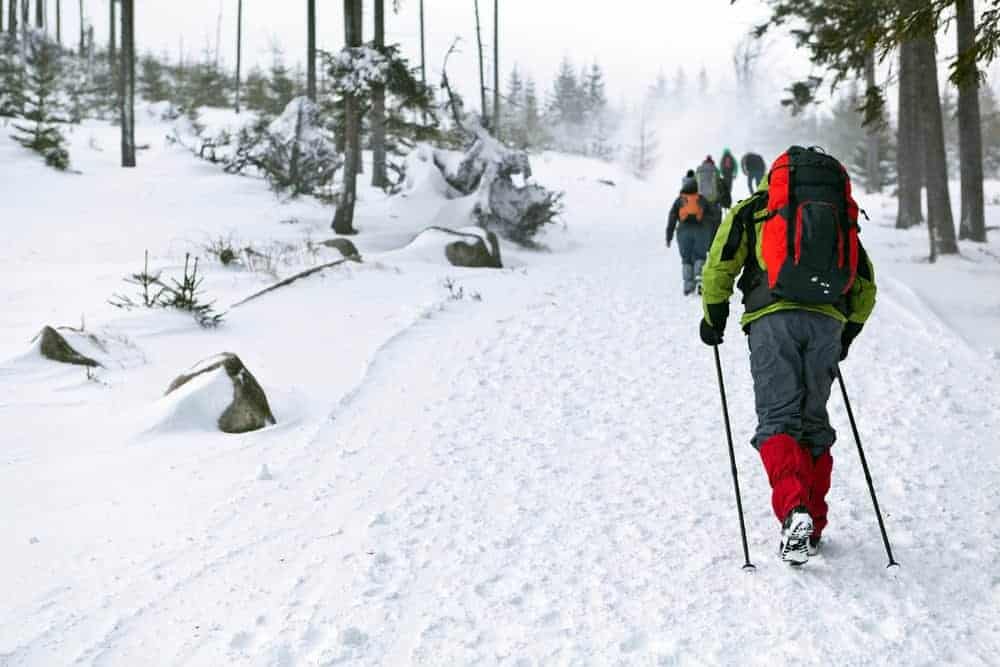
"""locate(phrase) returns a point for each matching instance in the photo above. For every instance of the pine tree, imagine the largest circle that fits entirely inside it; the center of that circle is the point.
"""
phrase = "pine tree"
(644, 151)
(949, 120)
(11, 77)
(42, 108)
(513, 111)
(535, 135)
(680, 83)
(281, 88)
(565, 105)
(153, 85)
(990, 111)
(595, 96)
(256, 91)
(659, 92)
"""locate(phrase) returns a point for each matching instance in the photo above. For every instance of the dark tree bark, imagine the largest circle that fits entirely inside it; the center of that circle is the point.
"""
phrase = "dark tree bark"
(874, 175)
(909, 147)
(112, 37)
(311, 50)
(12, 19)
(343, 219)
(83, 31)
(380, 178)
(25, 15)
(59, 22)
(939, 213)
(496, 68)
(972, 223)
(126, 84)
(239, 49)
(39, 14)
(482, 70)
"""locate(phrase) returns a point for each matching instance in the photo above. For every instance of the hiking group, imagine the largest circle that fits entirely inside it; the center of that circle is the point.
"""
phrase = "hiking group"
(808, 288)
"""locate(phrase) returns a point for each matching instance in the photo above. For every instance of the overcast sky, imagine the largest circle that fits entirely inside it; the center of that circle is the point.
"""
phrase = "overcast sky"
(632, 39)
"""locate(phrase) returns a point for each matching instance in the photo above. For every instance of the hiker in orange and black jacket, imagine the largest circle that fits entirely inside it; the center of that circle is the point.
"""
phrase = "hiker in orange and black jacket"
(692, 213)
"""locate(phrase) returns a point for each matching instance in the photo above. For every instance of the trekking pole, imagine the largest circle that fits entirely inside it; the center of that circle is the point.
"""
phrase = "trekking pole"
(868, 476)
(747, 565)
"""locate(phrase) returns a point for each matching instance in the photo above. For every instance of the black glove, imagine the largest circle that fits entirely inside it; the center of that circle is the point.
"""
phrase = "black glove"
(711, 334)
(851, 331)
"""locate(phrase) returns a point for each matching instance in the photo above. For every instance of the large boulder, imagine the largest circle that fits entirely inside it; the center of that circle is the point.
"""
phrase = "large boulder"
(247, 409)
(52, 345)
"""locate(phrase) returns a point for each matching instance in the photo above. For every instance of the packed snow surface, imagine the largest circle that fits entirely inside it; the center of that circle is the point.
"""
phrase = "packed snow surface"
(539, 476)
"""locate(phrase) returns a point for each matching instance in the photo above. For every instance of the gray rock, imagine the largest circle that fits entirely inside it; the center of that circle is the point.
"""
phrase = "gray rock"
(345, 246)
(249, 410)
(470, 250)
(53, 346)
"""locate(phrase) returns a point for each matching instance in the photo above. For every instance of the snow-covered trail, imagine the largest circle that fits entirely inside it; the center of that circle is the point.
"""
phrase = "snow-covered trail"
(543, 478)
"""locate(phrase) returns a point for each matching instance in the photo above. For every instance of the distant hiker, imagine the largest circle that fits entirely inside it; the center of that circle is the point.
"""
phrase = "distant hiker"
(711, 187)
(727, 165)
(802, 312)
(689, 217)
(754, 167)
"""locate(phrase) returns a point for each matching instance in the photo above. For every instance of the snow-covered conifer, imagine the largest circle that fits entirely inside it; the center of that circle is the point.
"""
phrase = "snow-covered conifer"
(43, 108)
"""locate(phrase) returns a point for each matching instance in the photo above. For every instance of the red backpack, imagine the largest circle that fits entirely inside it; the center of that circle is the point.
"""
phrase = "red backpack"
(809, 241)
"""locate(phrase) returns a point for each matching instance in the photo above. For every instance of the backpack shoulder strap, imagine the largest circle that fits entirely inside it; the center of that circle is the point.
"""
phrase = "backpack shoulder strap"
(744, 225)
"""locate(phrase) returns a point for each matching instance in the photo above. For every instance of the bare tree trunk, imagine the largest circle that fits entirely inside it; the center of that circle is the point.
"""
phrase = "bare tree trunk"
(2, 16)
(380, 178)
(126, 85)
(872, 133)
(83, 31)
(496, 68)
(343, 219)
(25, 15)
(909, 153)
(39, 14)
(239, 49)
(482, 71)
(311, 50)
(12, 19)
(935, 158)
(59, 22)
(112, 38)
(972, 223)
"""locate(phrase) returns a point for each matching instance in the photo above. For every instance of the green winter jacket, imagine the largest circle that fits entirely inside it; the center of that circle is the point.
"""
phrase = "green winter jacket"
(727, 259)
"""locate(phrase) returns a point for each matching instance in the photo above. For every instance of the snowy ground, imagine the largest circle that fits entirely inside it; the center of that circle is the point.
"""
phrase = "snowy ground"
(536, 477)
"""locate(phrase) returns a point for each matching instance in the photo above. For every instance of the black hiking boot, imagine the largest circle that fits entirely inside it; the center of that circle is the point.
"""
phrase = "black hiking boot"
(814, 541)
(795, 532)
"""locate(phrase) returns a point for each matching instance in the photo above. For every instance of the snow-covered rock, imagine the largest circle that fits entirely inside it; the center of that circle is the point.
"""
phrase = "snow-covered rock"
(345, 246)
(471, 247)
(218, 392)
(50, 344)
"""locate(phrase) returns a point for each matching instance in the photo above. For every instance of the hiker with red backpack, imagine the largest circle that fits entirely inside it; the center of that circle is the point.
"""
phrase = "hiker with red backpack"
(689, 218)
(809, 287)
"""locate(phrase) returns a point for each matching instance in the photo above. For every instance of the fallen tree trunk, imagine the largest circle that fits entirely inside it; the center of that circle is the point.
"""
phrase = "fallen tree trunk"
(289, 281)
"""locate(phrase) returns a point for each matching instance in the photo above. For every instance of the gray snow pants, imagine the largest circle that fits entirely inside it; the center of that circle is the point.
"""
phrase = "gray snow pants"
(793, 360)
(693, 242)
